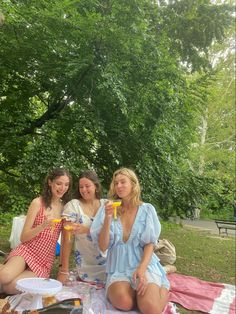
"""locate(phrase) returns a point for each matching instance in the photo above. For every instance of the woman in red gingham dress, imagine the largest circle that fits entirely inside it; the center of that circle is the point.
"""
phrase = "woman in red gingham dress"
(39, 252)
(35, 255)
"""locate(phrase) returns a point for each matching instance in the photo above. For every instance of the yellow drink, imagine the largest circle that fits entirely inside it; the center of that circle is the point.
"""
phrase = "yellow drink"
(115, 205)
(68, 228)
(54, 222)
(77, 302)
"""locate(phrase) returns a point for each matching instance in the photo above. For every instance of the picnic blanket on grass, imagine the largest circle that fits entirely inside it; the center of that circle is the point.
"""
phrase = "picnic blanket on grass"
(99, 304)
(94, 301)
(190, 292)
(199, 295)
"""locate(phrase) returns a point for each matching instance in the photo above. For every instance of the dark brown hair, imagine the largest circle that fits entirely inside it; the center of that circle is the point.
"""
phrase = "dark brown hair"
(47, 194)
(92, 176)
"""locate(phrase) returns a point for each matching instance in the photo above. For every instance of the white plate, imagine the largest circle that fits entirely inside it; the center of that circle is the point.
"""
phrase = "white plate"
(39, 286)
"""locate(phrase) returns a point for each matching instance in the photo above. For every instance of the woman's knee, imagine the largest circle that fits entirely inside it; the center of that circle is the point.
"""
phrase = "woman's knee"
(125, 302)
(122, 301)
(10, 288)
(150, 307)
(5, 276)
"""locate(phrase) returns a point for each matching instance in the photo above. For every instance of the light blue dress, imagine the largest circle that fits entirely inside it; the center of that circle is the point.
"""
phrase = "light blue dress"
(123, 258)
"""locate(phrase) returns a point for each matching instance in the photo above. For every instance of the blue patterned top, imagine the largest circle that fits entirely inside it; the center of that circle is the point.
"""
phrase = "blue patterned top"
(90, 263)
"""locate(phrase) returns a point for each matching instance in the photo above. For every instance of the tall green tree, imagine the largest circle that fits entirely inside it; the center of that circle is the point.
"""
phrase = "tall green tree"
(102, 84)
(213, 151)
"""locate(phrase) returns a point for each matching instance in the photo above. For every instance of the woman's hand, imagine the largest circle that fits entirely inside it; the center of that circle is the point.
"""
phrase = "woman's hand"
(109, 209)
(48, 221)
(62, 276)
(140, 280)
(68, 223)
(139, 276)
(81, 229)
(104, 235)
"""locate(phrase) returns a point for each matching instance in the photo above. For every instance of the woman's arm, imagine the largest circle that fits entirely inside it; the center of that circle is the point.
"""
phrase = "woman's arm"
(139, 273)
(147, 255)
(65, 251)
(104, 235)
(28, 232)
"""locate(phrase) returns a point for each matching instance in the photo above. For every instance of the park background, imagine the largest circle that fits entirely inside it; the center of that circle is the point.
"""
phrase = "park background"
(143, 84)
(104, 84)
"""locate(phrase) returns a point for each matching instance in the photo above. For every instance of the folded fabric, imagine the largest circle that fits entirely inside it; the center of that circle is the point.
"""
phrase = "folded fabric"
(199, 295)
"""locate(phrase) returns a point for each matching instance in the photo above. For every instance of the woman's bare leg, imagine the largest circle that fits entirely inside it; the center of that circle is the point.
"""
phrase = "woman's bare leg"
(13, 268)
(154, 300)
(10, 288)
(121, 295)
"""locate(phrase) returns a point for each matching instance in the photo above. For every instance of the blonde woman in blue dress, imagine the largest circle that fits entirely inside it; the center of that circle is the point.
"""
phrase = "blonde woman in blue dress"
(135, 276)
(81, 211)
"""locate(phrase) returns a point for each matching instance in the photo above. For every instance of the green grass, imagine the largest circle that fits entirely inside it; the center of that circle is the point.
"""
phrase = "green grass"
(199, 254)
(5, 232)
(202, 255)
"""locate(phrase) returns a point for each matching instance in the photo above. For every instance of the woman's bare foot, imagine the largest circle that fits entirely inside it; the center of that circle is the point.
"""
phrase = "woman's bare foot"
(170, 269)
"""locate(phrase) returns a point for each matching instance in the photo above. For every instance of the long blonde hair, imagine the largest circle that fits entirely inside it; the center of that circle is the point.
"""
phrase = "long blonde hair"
(135, 197)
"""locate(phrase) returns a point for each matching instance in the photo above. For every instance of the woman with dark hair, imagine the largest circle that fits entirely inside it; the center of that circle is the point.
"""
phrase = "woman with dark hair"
(35, 255)
(90, 264)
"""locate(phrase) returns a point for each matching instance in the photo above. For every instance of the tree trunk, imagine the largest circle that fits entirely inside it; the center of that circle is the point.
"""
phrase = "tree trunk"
(203, 133)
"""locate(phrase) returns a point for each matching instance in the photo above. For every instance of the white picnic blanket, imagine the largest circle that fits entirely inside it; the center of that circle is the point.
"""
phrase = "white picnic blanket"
(94, 300)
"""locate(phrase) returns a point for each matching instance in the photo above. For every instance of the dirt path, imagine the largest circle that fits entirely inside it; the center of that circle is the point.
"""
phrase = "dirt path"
(207, 225)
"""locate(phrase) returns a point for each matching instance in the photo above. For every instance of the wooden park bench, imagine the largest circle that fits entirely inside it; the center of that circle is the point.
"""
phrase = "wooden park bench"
(224, 225)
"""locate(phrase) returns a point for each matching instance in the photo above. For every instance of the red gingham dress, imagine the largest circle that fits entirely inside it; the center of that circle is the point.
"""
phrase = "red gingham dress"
(39, 252)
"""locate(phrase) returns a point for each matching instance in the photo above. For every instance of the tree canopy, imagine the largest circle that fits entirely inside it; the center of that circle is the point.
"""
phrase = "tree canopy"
(103, 84)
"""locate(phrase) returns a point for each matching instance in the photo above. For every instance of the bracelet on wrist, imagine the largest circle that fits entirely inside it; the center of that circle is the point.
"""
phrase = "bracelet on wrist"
(64, 272)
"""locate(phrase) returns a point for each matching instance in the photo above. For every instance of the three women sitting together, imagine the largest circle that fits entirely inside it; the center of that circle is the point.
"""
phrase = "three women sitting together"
(115, 249)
